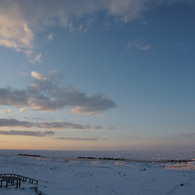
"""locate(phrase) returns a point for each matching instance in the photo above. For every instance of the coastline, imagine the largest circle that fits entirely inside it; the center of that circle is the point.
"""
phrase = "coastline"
(75, 176)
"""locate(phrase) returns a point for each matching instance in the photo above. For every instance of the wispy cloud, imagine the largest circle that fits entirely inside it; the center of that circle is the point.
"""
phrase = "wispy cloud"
(27, 133)
(66, 125)
(21, 19)
(36, 58)
(45, 95)
(55, 76)
(78, 138)
(138, 44)
(45, 125)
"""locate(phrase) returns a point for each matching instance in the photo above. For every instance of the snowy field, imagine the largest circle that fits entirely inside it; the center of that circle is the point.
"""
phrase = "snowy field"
(72, 176)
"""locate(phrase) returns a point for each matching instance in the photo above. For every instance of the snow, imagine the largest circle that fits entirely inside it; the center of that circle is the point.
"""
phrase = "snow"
(72, 176)
(16, 192)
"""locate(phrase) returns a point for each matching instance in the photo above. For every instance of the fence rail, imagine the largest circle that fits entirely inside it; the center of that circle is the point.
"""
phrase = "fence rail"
(15, 179)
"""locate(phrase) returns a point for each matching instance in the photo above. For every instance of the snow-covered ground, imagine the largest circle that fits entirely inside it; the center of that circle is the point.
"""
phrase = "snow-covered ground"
(60, 176)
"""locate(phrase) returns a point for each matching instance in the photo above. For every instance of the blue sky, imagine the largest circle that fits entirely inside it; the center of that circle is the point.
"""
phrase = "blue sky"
(88, 74)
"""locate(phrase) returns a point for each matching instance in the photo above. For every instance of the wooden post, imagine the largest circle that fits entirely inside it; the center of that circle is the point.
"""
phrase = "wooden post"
(16, 183)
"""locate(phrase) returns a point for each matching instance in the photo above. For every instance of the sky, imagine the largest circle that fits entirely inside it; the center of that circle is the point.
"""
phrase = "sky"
(97, 75)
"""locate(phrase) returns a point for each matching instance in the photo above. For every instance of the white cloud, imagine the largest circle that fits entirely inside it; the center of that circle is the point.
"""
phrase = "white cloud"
(37, 75)
(15, 32)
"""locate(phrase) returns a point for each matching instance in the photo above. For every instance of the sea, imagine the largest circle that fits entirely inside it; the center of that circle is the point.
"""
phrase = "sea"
(140, 155)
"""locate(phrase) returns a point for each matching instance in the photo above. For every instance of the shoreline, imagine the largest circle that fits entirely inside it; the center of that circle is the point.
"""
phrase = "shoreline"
(93, 175)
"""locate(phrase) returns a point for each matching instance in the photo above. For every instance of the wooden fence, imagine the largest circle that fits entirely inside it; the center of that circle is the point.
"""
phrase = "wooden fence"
(15, 180)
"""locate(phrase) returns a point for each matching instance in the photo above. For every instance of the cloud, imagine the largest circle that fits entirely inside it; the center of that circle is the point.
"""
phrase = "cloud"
(36, 58)
(78, 138)
(50, 37)
(14, 123)
(20, 20)
(27, 133)
(49, 12)
(55, 76)
(14, 29)
(146, 47)
(93, 104)
(10, 96)
(37, 75)
(44, 95)
(66, 125)
(46, 125)
(23, 109)
(5, 111)
(138, 44)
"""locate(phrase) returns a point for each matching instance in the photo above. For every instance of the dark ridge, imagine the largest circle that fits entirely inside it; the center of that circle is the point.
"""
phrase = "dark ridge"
(31, 155)
(89, 158)
(178, 160)
(123, 159)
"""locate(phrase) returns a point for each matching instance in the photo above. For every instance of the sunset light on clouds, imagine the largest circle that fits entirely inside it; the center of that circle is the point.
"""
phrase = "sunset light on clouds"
(87, 74)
